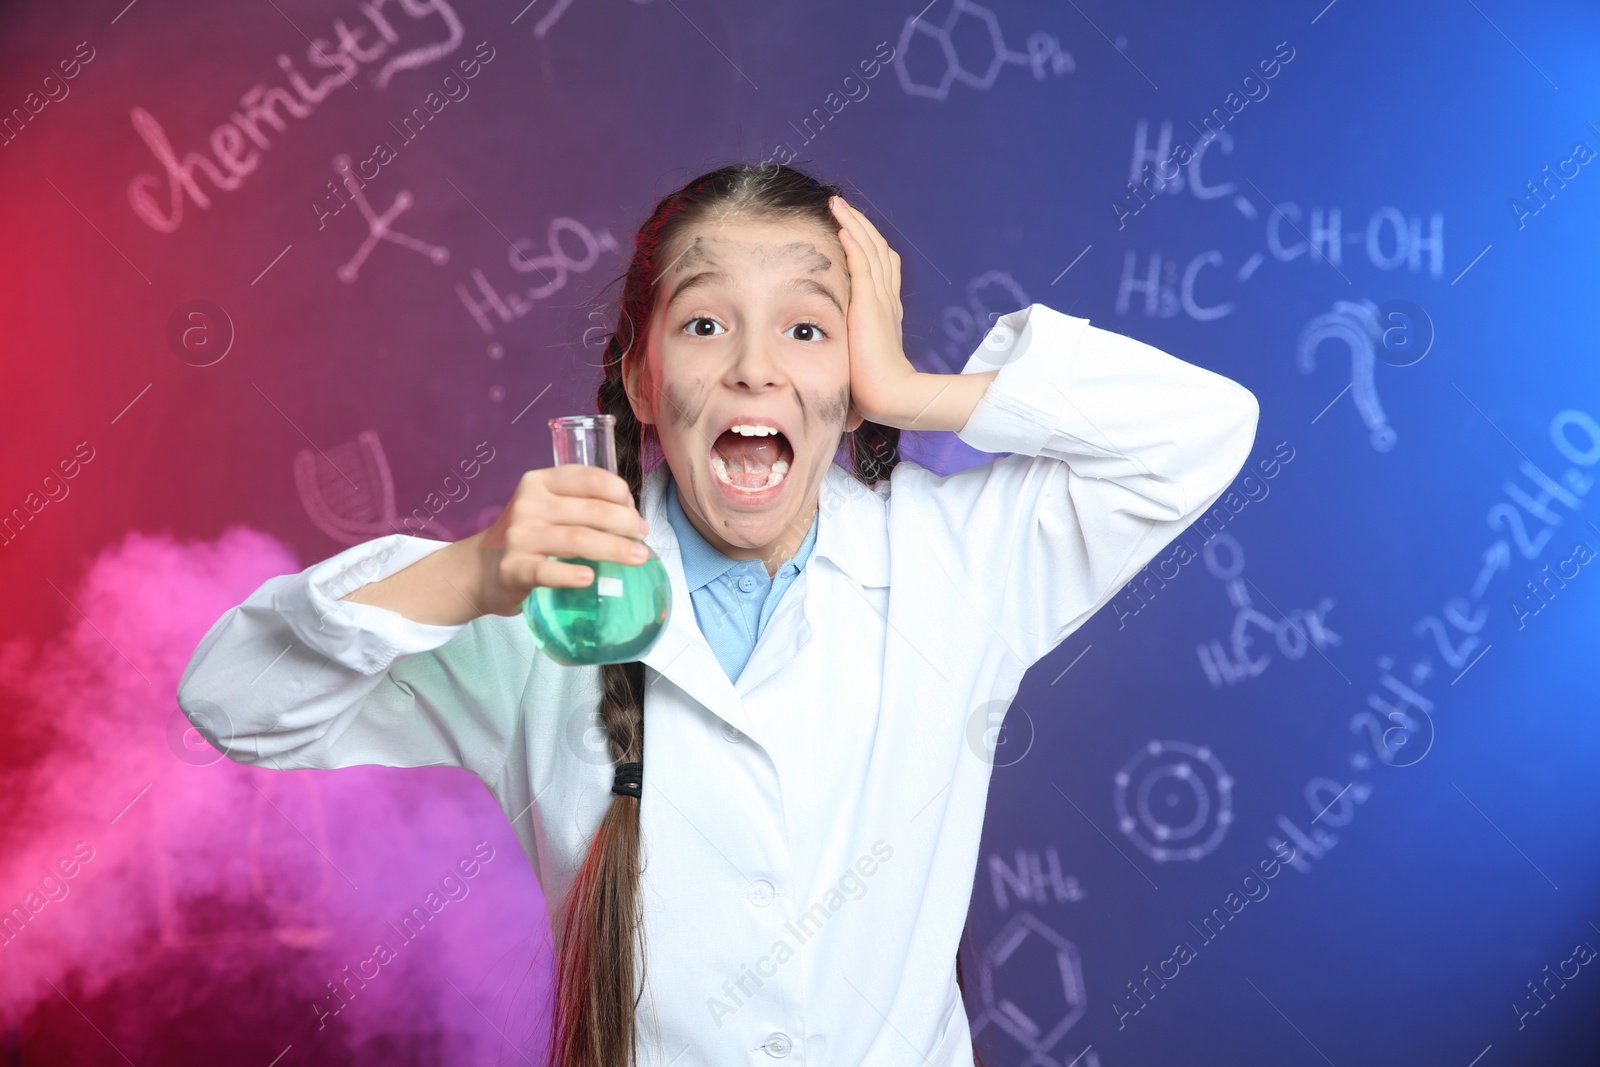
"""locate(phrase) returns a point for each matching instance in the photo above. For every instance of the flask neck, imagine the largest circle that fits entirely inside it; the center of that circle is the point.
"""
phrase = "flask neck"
(584, 439)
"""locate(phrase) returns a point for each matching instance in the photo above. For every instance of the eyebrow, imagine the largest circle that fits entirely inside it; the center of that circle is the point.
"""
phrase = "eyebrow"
(811, 285)
(713, 277)
(702, 278)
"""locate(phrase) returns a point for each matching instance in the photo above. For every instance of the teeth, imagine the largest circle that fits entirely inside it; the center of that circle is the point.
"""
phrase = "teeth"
(776, 475)
(749, 430)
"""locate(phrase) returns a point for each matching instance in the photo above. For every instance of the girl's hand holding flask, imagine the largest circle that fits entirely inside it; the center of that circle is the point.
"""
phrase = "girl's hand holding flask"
(567, 553)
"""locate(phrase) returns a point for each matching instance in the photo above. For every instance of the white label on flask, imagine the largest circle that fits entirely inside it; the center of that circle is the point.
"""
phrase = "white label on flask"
(610, 586)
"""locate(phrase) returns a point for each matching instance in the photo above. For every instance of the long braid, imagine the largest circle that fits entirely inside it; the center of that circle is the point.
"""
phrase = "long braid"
(600, 959)
(596, 995)
(874, 451)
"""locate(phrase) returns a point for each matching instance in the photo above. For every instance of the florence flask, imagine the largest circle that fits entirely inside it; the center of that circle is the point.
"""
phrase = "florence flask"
(619, 616)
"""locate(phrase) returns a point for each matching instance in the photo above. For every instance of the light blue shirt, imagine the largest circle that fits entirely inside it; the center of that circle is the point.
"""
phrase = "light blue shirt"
(733, 598)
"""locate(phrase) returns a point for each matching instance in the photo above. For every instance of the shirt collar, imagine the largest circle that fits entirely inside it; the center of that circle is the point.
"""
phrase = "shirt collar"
(703, 561)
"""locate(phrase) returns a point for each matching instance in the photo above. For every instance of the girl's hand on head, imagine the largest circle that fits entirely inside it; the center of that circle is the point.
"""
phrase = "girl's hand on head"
(879, 369)
(569, 510)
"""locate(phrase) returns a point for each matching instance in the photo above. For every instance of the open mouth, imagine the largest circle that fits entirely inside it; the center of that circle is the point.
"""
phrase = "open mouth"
(750, 459)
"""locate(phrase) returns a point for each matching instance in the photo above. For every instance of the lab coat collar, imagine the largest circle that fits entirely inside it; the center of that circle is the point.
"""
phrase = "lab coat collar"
(853, 530)
(852, 534)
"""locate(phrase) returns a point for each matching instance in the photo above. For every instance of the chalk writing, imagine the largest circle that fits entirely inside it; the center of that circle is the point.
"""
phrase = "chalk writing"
(236, 145)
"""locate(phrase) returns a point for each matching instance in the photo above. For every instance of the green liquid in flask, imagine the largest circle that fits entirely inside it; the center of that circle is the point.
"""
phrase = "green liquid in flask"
(614, 619)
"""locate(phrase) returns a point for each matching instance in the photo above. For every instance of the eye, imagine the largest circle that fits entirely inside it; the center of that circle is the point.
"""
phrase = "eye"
(694, 326)
(813, 332)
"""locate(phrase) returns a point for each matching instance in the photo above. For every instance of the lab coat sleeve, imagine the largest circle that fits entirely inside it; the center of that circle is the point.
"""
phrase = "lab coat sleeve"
(296, 677)
(1115, 447)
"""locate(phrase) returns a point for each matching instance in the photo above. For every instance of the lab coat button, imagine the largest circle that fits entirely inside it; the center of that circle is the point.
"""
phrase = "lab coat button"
(760, 892)
(748, 584)
(732, 732)
(777, 1044)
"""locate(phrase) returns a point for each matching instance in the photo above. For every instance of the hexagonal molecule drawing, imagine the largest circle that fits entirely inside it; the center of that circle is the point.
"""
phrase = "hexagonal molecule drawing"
(1174, 801)
(1017, 997)
(968, 47)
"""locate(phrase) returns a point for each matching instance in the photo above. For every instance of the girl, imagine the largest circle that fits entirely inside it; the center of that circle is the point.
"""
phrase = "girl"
(785, 870)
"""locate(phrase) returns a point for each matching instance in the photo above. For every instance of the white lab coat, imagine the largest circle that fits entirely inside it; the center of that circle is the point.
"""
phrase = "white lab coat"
(810, 832)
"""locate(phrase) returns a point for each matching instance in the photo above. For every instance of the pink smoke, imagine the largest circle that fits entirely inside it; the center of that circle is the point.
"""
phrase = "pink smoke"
(210, 905)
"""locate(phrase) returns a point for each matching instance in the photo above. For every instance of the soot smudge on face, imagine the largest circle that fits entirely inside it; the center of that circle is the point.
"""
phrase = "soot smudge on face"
(695, 253)
(834, 413)
(685, 401)
(815, 262)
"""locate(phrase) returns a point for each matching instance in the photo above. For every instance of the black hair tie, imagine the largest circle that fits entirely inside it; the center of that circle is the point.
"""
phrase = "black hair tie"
(629, 780)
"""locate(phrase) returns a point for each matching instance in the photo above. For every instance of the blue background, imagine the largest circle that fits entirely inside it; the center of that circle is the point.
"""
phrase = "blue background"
(1447, 874)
